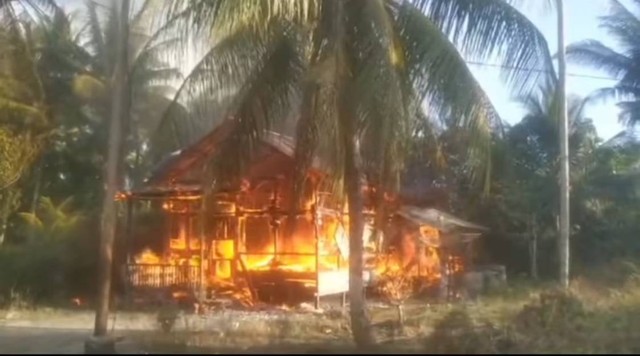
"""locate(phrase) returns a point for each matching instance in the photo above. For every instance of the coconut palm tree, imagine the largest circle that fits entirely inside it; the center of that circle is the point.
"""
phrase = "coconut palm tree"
(23, 113)
(361, 71)
(150, 75)
(623, 25)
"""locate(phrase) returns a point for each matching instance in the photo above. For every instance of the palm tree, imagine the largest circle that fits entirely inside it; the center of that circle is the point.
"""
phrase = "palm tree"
(150, 76)
(623, 25)
(361, 78)
(52, 221)
(535, 158)
(22, 96)
(119, 92)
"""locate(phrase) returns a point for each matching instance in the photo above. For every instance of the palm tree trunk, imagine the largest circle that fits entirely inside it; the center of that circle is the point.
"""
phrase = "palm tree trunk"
(107, 233)
(563, 243)
(35, 198)
(360, 325)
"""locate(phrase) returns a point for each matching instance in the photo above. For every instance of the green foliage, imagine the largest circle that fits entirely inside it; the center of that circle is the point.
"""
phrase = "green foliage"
(50, 221)
(553, 311)
(552, 322)
(621, 23)
(36, 270)
(458, 333)
(57, 261)
(358, 65)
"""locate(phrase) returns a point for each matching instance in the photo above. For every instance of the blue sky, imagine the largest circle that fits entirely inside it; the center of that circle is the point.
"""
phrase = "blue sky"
(581, 22)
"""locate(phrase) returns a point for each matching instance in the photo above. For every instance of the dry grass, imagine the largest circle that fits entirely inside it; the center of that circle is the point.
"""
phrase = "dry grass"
(592, 318)
(595, 316)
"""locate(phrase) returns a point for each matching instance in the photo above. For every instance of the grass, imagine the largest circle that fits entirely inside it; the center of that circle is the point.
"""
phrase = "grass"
(594, 316)
(599, 314)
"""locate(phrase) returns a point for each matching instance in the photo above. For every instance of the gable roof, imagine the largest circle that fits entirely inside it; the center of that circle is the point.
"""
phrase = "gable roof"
(179, 163)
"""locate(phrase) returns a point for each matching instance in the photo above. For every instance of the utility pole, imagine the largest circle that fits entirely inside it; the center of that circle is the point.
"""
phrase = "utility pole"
(100, 343)
(564, 233)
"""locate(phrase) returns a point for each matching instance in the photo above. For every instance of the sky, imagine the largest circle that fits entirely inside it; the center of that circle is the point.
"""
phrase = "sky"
(581, 23)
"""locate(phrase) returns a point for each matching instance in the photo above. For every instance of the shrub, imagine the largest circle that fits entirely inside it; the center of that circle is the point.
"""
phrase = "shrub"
(458, 333)
(553, 310)
(36, 270)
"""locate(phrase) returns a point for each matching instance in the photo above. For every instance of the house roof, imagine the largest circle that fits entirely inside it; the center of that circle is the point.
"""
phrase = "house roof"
(182, 161)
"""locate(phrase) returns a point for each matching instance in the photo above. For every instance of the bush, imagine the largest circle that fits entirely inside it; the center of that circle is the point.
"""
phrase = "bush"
(48, 270)
(458, 333)
(553, 311)
(556, 321)
(35, 270)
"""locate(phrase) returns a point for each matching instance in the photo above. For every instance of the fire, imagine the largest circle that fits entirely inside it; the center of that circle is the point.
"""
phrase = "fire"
(415, 258)
(296, 254)
(147, 257)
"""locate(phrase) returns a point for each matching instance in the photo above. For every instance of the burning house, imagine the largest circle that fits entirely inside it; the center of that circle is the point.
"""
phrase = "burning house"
(235, 241)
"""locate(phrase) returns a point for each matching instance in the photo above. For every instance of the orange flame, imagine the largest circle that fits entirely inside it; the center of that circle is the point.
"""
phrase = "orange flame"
(414, 258)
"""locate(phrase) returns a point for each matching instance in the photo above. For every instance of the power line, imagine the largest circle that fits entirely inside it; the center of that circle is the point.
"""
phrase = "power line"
(494, 65)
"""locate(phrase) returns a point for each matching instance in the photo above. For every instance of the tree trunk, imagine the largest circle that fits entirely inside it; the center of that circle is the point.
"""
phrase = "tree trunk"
(400, 309)
(107, 233)
(360, 325)
(3, 229)
(35, 198)
(563, 245)
(36, 188)
(533, 249)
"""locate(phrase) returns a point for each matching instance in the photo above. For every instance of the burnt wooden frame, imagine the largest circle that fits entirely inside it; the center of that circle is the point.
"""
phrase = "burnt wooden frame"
(240, 214)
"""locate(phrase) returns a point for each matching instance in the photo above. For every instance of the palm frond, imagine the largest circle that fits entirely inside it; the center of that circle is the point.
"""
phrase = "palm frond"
(261, 101)
(621, 24)
(440, 76)
(224, 17)
(484, 29)
(97, 40)
(31, 220)
(596, 54)
(222, 70)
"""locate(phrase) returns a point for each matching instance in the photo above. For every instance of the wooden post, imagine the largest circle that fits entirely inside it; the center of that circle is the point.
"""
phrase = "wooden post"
(129, 247)
(275, 221)
(236, 241)
(203, 291)
(317, 237)
(129, 228)
(167, 238)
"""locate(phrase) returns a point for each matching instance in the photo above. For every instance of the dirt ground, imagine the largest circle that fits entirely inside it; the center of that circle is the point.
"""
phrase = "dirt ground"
(33, 340)
(61, 331)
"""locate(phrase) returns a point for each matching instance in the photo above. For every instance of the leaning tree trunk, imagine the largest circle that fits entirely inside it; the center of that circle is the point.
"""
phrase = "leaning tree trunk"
(108, 219)
(563, 241)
